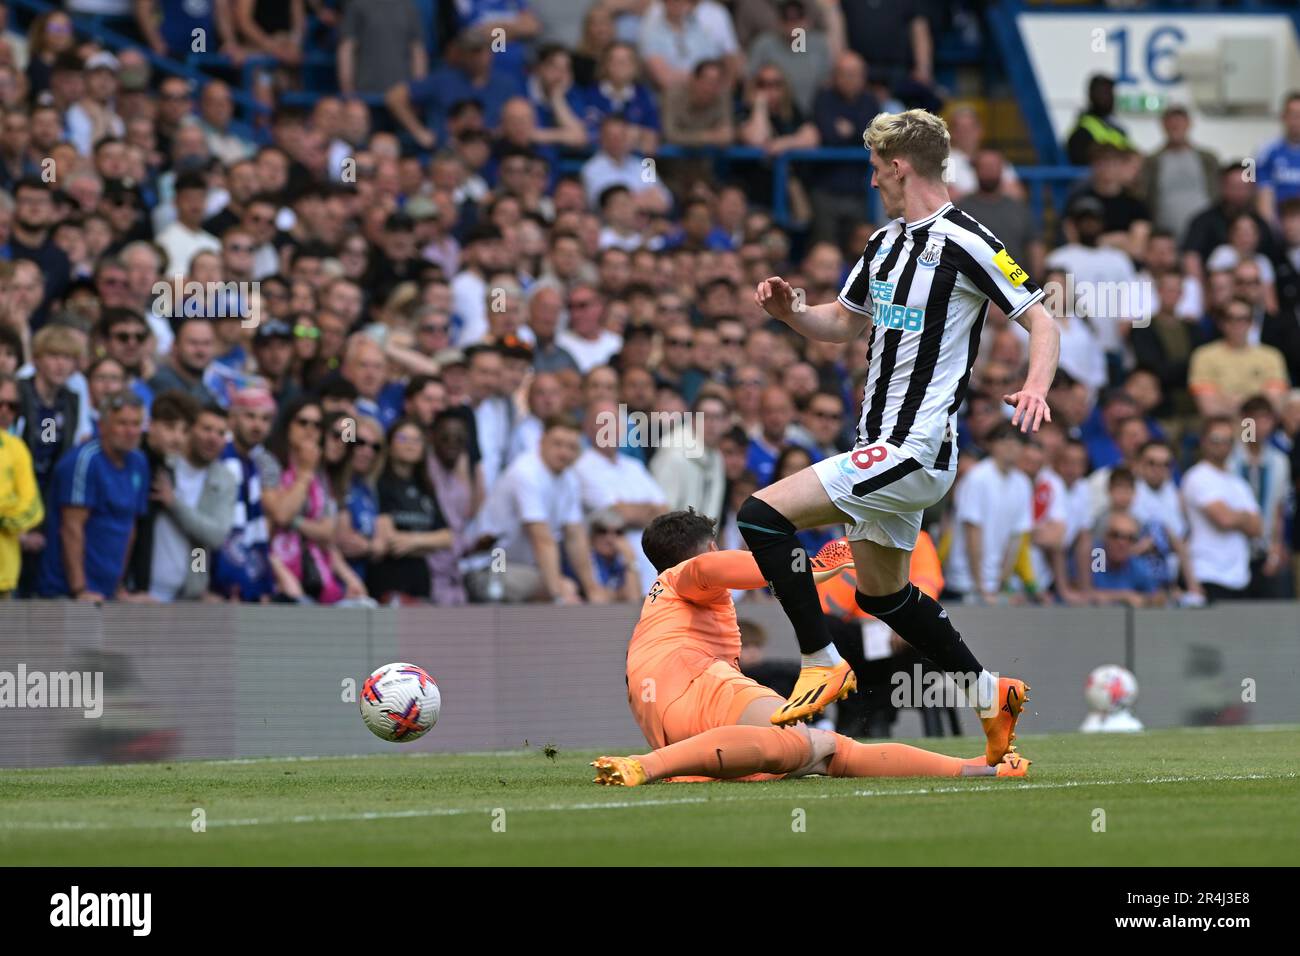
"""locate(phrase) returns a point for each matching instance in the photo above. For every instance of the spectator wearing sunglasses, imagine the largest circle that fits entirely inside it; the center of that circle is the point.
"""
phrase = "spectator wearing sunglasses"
(301, 508)
(612, 556)
(1159, 509)
(1123, 577)
(124, 337)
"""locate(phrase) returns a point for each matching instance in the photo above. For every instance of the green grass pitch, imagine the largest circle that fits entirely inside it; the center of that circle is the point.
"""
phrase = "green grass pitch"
(1222, 797)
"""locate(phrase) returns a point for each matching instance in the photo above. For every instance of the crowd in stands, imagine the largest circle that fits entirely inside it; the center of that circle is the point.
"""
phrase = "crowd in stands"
(457, 333)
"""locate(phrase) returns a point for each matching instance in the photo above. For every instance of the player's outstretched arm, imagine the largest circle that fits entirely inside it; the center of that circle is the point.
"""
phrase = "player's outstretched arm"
(829, 322)
(1030, 402)
(706, 574)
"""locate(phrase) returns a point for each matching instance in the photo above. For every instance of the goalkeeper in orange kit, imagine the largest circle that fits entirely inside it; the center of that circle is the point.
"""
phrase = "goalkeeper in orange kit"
(700, 714)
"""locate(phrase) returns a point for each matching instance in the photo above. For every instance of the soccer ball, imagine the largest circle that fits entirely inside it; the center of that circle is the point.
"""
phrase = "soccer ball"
(400, 702)
(1110, 688)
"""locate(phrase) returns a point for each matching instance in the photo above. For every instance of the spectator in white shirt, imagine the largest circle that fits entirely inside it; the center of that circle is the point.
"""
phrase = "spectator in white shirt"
(616, 164)
(586, 338)
(483, 253)
(690, 470)
(94, 115)
(494, 413)
(1223, 515)
(622, 229)
(545, 400)
(994, 513)
(610, 479)
(1131, 435)
(676, 35)
(185, 238)
(1095, 267)
(1159, 510)
(534, 512)
(1081, 355)
(1267, 470)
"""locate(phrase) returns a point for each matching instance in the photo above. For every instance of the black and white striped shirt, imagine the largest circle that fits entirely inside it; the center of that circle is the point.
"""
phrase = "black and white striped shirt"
(926, 286)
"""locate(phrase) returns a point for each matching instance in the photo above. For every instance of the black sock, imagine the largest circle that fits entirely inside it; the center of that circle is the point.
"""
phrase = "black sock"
(921, 621)
(771, 539)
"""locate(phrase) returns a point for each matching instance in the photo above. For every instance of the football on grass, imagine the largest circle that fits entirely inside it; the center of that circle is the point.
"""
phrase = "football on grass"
(400, 702)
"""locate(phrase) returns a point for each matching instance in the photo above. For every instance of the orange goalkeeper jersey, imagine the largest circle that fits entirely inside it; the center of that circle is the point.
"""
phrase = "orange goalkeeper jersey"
(688, 621)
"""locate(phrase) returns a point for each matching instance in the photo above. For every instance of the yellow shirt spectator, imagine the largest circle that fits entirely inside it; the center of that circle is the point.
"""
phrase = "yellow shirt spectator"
(20, 505)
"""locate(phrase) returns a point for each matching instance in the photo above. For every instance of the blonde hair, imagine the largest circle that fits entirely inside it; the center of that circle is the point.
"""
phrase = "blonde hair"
(917, 136)
(58, 340)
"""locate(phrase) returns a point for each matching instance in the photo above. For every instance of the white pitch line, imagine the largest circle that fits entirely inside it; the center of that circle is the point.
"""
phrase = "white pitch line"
(449, 754)
(55, 825)
(304, 758)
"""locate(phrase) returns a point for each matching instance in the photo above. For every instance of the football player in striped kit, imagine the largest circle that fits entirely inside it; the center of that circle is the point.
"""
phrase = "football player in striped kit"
(924, 284)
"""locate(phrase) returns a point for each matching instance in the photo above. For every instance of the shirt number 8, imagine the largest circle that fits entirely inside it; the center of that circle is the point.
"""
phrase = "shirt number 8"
(864, 458)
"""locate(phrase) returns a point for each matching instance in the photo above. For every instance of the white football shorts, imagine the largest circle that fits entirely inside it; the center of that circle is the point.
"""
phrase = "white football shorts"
(883, 489)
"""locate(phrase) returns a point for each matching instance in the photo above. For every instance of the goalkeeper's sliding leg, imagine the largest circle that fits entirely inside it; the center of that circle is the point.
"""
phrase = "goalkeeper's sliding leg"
(756, 747)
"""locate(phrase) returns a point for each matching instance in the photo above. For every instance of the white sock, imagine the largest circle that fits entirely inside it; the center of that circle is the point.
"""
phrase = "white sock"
(985, 700)
(828, 656)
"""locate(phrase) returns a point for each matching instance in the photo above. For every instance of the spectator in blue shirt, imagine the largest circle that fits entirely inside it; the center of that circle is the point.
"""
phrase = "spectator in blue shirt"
(612, 559)
(1101, 430)
(1119, 577)
(168, 26)
(841, 111)
(1278, 170)
(776, 413)
(471, 73)
(617, 91)
(99, 492)
(557, 103)
(361, 516)
(514, 18)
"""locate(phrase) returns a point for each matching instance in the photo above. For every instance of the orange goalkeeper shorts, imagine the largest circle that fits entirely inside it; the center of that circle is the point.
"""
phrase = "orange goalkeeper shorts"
(715, 698)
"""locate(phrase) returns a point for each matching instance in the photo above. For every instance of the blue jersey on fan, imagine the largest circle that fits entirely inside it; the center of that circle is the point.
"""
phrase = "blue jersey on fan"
(114, 496)
(242, 568)
(363, 507)
(599, 101)
(180, 18)
(1279, 168)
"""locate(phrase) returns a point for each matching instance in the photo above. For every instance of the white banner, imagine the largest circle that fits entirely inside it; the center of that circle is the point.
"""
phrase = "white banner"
(1145, 53)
